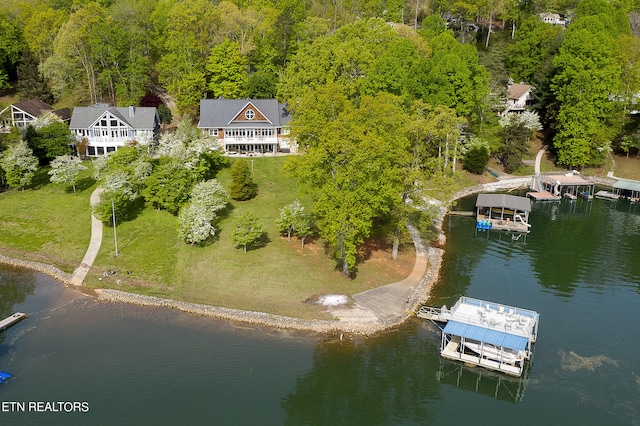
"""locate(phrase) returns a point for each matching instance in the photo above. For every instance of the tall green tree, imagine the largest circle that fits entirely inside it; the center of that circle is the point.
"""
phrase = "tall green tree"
(11, 46)
(515, 135)
(190, 37)
(351, 165)
(628, 58)
(50, 141)
(535, 43)
(452, 77)
(346, 58)
(587, 74)
(169, 185)
(41, 28)
(227, 69)
(247, 230)
(31, 83)
(73, 65)
(242, 185)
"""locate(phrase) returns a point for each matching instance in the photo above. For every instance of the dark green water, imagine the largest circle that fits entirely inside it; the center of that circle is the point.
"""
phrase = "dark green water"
(578, 268)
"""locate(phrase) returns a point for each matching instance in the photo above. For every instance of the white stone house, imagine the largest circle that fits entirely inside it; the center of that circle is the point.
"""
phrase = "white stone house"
(106, 128)
(247, 126)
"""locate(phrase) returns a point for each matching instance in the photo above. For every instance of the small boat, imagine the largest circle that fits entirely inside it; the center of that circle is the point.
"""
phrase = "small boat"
(4, 376)
(492, 352)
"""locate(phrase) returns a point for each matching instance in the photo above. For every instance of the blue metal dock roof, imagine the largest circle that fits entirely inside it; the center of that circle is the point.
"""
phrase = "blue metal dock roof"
(486, 335)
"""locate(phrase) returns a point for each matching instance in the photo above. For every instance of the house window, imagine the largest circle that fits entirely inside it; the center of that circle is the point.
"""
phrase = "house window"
(249, 114)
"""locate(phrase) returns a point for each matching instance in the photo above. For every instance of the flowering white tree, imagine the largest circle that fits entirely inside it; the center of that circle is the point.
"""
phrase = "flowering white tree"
(530, 120)
(19, 164)
(65, 169)
(195, 223)
(289, 217)
(210, 194)
(195, 220)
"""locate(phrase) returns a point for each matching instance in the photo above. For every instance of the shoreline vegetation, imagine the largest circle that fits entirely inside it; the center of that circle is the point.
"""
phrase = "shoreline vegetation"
(358, 324)
(346, 318)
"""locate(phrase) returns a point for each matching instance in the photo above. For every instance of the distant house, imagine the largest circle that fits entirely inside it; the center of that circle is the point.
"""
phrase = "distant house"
(519, 97)
(247, 126)
(106, 128)
(26, 112)
(552, 18)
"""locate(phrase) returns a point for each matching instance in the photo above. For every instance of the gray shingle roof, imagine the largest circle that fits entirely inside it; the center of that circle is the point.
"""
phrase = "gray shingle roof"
(522, 204)
(85, 117)
(218, 113)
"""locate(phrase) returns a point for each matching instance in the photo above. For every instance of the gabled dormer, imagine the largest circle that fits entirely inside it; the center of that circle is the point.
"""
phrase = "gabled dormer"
(249, 113)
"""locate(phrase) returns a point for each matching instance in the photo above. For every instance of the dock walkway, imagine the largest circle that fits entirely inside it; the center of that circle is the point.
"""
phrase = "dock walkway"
(12, 320)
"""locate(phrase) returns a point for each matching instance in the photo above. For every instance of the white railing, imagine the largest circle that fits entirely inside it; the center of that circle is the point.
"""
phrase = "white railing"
(249, 141)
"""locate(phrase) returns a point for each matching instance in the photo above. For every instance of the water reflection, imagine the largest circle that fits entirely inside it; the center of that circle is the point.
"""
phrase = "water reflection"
(384, 380)
(484, 382)
(14, 289)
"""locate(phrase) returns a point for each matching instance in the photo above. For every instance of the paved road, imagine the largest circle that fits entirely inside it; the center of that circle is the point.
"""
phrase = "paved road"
(94, 245)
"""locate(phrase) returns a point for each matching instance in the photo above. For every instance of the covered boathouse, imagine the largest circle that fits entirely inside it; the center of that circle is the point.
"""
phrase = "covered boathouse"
(490, 335)
(629, 189)
(503, 212)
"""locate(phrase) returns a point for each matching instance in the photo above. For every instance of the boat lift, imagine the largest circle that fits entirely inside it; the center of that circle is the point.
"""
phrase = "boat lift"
(490, 335)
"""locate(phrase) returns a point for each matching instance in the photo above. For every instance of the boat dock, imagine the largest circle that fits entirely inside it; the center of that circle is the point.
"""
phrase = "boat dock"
(490, 335)
(12, 320)
(570, 185)
(543, 196)
(502, 212)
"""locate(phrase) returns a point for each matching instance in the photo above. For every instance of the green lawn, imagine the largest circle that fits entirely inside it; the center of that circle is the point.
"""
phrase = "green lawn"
(276, 277)
(47, 223)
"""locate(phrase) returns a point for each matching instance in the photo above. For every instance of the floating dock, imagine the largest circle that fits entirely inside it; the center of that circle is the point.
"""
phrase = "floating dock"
(607, 195)
(502, 212)
(543, 196)
(490, 335)
(12, 320)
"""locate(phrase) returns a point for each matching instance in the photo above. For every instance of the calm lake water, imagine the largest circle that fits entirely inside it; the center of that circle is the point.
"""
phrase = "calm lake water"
(124, 364)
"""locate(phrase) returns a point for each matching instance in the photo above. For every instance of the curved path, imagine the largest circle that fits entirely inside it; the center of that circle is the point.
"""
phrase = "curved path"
(94, 245)
(391, 302)
(373, 310)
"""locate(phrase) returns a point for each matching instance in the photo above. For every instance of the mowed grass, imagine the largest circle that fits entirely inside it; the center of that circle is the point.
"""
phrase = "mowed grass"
(276, 277)
(46, 222)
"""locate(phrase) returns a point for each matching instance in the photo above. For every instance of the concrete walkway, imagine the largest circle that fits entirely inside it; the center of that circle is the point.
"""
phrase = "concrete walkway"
(539, 159)
(390, 302)
(81, 272)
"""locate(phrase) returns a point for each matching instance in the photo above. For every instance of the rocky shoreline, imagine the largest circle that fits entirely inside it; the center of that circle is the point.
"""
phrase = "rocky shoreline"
(352, 320)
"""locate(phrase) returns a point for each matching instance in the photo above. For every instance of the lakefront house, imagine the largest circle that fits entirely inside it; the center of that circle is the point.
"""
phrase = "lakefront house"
(22, 114)
(101, 128)
(247, 126)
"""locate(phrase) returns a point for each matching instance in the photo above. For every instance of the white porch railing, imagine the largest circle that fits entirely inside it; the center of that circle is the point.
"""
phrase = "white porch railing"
(250, 141)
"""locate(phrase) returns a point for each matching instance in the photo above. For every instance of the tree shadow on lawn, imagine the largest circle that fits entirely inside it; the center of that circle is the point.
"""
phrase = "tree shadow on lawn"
(82, 185)
(260, 242)
(132, 211)
(40, 179)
